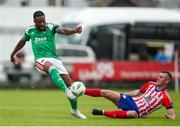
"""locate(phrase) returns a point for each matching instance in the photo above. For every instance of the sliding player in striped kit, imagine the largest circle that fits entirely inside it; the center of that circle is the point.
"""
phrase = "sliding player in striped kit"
(138, 103)
(42, 36)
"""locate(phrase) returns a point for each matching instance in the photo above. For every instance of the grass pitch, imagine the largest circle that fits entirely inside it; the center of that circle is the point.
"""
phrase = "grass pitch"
(19, 107)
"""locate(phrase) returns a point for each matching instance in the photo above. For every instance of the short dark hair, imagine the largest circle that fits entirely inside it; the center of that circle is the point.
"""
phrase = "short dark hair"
(168, 73)
(38, 14)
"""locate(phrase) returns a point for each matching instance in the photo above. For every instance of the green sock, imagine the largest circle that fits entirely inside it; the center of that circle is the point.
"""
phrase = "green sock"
(57, 80)
(73, 104)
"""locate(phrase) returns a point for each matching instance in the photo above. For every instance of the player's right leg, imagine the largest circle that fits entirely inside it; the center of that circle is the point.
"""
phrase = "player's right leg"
(116, 113)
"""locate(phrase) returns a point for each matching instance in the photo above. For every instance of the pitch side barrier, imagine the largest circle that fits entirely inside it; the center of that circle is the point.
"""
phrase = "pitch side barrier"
(120, 71)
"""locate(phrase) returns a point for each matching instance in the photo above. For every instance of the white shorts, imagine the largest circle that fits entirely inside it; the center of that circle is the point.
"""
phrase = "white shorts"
(39, 63)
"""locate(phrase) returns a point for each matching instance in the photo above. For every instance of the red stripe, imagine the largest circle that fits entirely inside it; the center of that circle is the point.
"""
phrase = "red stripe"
(39, 65)
(140, 98)
(139, 101)
(154, 107)
(141, 105)
(148, 110)
(151, 104)
(150, 87)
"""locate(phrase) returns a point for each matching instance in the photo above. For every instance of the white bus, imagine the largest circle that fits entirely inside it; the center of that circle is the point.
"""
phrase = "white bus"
(125, 33)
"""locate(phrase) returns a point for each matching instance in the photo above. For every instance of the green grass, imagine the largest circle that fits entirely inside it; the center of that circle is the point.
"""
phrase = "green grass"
(50, 107)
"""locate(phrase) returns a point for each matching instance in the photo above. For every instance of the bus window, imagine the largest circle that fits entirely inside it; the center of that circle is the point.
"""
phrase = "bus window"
(145, 39)
(100, 40)
(163, 31)
(147, 50)
(138, 52)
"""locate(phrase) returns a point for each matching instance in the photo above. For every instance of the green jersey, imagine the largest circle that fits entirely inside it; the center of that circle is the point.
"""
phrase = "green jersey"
(43, 42)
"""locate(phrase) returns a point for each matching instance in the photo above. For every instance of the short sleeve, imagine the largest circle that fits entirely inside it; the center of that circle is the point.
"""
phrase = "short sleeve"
(144, 87)
(54, 27)
(166, 100)
(26, 37)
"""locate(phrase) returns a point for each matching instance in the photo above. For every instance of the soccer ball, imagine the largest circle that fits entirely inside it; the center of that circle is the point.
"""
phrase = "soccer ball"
(77, 88)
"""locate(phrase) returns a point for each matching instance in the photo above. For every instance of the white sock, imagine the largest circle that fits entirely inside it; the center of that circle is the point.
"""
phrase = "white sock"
(75, 110)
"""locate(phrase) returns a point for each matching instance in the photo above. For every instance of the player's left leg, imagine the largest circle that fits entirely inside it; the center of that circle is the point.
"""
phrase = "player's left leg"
(108, 94)
(68, 81)
(61, 78)
(116, 113)
(53, 72)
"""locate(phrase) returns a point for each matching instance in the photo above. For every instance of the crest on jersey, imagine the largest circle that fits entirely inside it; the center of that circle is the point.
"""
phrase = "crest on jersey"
(148, 99)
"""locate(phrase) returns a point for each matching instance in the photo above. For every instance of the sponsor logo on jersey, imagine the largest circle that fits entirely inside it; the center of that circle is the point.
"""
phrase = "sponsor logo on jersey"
(40, 39)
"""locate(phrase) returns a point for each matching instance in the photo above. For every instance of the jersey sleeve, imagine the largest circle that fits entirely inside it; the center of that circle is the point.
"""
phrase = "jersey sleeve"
(26, 37)
(144, 87)
(166, 101)
(54, 27)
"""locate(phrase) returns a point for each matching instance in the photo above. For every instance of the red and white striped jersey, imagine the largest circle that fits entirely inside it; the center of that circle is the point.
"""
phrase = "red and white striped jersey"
(152, 99)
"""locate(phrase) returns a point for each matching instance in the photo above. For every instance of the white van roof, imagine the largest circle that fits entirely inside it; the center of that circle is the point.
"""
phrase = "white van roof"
(104, 15)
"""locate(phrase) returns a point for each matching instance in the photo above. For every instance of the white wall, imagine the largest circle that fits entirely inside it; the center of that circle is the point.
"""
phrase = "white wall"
(17, 3)
(76, 3)
(13, 22)
(23, 17)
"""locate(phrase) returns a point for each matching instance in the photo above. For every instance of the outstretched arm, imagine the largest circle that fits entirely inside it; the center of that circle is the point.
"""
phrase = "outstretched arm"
(140, 91)
(170, 114)
(19, 46)
(66, 31)
(134, 93)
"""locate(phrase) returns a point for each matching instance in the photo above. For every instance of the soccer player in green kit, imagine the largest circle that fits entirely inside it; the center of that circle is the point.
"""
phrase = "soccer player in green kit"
(42, 36)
